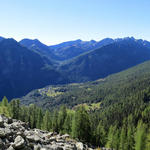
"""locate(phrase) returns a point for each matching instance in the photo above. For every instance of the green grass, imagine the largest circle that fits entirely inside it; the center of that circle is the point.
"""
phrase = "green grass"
(51, 92)
(89, 107)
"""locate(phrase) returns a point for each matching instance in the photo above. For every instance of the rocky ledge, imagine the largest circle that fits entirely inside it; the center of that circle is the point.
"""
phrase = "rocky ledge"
(16, 135)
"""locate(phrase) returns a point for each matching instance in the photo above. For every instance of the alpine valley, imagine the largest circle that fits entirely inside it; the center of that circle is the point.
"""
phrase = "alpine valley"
(29, 64)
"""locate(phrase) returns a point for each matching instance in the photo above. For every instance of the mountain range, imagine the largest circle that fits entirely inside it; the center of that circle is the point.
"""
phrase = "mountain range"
(106, 60)
(30, 64)
(68, 50)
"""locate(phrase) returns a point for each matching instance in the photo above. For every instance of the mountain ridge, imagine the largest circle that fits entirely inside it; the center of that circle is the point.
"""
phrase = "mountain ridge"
(106, 60)
(38, 47)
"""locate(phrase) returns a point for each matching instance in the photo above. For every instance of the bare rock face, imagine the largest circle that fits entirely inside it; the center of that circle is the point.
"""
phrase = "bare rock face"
(19, 142)
(16, 135)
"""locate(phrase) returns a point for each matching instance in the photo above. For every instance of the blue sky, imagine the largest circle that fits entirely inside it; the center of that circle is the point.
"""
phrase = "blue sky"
(55, 21)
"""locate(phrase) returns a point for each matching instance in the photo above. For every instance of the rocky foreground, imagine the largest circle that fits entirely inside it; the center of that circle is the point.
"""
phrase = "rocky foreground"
(16, 135)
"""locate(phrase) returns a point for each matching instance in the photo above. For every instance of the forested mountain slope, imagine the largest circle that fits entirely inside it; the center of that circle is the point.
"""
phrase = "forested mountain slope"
(109, 90)
(22, 70)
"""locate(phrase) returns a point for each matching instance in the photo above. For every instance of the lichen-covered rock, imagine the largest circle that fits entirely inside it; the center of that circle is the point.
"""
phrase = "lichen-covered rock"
(19, 143)
(65, 136)
(79, 146)
(37, 147)
(16, 135)
(10, 148)
(4, 132)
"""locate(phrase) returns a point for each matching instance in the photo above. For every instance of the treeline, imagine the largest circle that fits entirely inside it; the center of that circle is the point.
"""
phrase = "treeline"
(131, 132)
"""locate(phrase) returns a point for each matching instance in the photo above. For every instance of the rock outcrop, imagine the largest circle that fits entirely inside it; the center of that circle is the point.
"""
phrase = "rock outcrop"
(16, 135)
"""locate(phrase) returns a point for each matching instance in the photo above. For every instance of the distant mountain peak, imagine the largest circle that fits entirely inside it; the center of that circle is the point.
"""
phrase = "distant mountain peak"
(9, 41)
(78, 40)
(37, 41)
(129, 38)
(29, 42)
(93, 41)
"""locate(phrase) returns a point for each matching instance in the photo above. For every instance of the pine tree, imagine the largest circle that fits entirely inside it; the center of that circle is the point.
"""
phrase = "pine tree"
(61, 117)
(55, 121)
(46, 121)
(130, 137)
(33, 115)
(68, 123)
(140, 136)
(116, 140)
(27, 116)
(100, 135)
(5, 107)
(4, 102)
(110, 137)
(148, 141)
(15, 108)
(123, 144)
(39, 118)
(81, 128)
(23, 113)
(4, 110)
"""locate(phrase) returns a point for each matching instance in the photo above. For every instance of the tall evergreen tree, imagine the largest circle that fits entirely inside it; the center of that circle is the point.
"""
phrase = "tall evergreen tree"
(130, 137)
(140, 136)
(23, 113)
(15, 108)
(123, 144)
(148, 140)
(61, 118)
(33, 115)
(81, 128)
(4, 102)
(110, 137)
(116, 139)
(100, 135)
(55, 121)
(46, 121)
(39, 118)
(68, 123)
